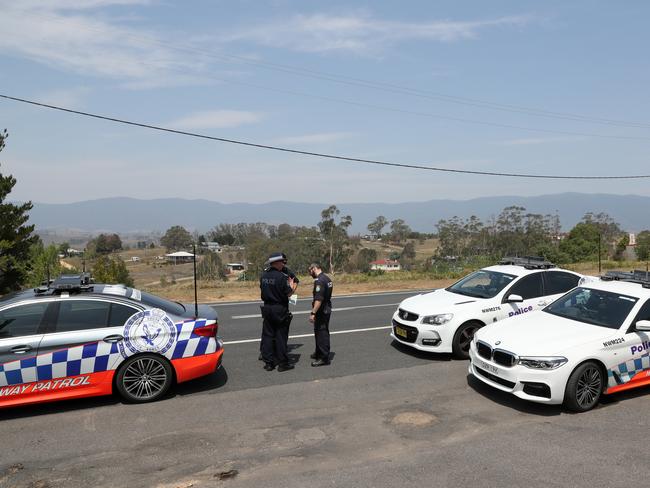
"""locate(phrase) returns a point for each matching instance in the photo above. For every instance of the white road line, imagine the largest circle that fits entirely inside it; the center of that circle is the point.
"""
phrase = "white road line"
(301, 336)
(335, 297)
(301, 312)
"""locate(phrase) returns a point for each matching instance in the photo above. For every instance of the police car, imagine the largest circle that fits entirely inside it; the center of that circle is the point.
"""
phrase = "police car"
(445, 320)
(74, 339)
(594, 340)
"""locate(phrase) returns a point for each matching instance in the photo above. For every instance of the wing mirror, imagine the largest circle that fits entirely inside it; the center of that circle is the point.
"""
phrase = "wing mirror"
(514, 299)
(643, 325)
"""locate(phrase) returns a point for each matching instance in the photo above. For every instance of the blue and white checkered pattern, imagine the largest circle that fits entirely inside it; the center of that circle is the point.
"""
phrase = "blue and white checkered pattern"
(189, 344)
(96, 357)
(87, 358)
(624, 372)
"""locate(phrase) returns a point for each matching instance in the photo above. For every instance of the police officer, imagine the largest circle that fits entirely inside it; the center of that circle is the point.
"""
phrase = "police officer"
(321, 310)
(276, 288)
(289, 274)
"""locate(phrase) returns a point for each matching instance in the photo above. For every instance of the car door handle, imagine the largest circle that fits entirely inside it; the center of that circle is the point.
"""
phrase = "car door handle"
(21, 349)
(542, 303)
(113, 338)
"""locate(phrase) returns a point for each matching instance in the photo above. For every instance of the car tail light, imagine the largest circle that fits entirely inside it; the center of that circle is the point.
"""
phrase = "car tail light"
(207, 330)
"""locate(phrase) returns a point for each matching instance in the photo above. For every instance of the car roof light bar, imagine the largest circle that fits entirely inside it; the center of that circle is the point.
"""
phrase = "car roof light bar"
(635, 276)
(528, 262)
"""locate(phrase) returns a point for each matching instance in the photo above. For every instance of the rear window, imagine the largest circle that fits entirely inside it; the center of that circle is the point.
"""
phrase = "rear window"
(168, 306)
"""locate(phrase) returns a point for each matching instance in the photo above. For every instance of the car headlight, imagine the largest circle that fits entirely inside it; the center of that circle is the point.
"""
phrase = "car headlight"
(440, 319)
(545, 362)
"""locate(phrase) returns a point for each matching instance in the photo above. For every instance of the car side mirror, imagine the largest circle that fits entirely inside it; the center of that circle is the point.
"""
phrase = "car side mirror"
(514, 298)
(643, 325)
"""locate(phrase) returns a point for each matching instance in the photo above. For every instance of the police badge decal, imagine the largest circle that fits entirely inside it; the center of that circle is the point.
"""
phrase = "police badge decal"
(148, 331)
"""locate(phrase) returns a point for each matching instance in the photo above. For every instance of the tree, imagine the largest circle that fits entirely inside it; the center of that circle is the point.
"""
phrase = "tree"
(643, 245)
(176, 238)
(399, 230)
(111, 270)
(364, 258)
(210, 267)
(582, 242)
(107, 243)
(45, 263)
(376, 226)
(336, 236)
(16, 236)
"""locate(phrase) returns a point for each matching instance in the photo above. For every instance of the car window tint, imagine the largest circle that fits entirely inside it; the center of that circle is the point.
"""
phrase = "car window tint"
(22, 320)
(120, 314)
(82, 315)
(560, 282)
(528, 287)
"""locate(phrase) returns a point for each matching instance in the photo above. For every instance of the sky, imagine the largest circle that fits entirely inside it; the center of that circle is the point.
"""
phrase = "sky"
(521, 86)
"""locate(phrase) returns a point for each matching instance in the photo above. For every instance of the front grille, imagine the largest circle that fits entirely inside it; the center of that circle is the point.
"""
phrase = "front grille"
(496, 379)
(406, 315)
(504, 358)
(484, 350)
(499, 356)
(411, 332)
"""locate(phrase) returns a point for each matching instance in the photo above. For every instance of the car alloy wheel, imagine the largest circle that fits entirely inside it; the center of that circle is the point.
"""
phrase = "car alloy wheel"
(463, 338)
(144, 378)
(588, 387)
(584, 388)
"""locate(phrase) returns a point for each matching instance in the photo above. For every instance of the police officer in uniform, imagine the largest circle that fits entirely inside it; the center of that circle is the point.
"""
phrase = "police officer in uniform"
(290, 274)
(321, 310)
(276, 288)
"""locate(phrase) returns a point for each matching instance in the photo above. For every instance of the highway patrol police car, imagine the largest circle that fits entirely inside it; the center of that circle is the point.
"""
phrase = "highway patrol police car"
(75, 339)
(445, 320)
(594, 340)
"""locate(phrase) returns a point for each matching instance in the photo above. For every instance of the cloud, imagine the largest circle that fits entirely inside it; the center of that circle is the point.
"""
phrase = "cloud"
(314, 138)
(215, 119)
(72, 98)
(538, 140)
(77, 36)
(361, 33)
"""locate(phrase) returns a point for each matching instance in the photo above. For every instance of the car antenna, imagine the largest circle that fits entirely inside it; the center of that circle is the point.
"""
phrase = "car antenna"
(196, 299)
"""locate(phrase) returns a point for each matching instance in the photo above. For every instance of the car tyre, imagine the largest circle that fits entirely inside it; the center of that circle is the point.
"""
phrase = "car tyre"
(463, 338)
(144, 378)
(584, 387)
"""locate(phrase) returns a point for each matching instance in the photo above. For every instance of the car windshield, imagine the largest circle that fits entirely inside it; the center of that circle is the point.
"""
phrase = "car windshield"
(168, 306)
(596, 307)
(482, 284)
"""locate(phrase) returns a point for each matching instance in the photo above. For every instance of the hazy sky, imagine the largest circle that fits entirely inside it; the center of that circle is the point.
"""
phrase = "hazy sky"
(418, 82)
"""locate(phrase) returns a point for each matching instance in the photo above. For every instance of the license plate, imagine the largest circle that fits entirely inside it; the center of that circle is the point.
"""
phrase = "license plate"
(487, 367)
(401, 332)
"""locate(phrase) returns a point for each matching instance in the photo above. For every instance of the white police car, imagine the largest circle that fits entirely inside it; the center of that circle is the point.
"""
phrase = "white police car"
(445, 320)
(594, 340)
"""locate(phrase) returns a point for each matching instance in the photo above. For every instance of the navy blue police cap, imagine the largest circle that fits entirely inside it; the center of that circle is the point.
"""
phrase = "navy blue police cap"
(277, 256)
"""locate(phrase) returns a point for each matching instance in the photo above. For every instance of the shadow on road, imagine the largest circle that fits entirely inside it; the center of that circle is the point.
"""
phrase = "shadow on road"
(429, 356)
(511, 401)
(26, 411)
(205, 383)
(215, 381)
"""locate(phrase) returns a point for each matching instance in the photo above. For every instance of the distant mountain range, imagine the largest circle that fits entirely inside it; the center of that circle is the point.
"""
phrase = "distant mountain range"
(122, 215)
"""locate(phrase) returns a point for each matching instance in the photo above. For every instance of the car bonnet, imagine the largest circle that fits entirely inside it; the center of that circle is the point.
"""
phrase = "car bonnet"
(541, 334)
(438, 301)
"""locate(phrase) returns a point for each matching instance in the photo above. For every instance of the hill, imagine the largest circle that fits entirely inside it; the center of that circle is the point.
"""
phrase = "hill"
(130, 215)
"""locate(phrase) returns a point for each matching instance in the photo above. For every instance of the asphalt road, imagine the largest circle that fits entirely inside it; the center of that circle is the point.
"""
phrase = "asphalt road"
(379, 415)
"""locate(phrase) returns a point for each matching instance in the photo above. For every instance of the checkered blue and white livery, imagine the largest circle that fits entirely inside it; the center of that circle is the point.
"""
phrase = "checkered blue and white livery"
(97, 357)
(624, 372)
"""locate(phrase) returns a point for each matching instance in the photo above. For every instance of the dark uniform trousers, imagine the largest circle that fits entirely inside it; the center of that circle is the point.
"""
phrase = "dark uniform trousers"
(275, 333)
(322, 335)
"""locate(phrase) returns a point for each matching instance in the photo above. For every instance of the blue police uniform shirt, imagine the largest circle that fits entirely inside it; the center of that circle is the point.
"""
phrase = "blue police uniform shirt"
(275, 287)
(323, 288)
